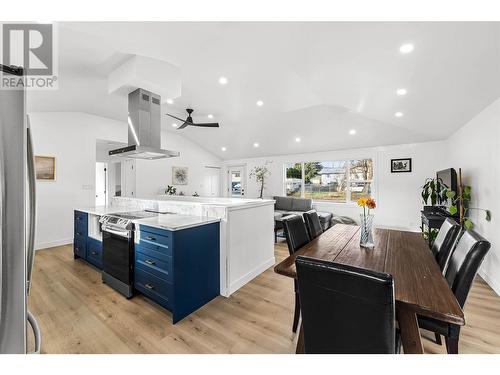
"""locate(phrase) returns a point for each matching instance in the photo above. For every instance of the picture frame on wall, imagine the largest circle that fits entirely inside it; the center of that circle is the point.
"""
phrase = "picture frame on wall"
(45, 168)
(401, 165)
(179, 175)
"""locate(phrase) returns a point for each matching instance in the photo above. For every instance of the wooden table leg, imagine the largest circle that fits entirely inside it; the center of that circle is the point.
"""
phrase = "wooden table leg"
(410, 334)
(300, 341)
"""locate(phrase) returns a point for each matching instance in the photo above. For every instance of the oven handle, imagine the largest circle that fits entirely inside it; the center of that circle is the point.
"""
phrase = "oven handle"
(121, 233)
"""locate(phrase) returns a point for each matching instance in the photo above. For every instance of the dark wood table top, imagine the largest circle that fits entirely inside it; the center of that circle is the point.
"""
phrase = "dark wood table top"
(418, 282)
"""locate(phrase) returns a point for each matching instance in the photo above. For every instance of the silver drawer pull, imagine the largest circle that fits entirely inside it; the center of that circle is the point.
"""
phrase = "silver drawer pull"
(77, 249)
(150, 262)
(149, 286)
(94, 252)
(149, 238)
(78, 234)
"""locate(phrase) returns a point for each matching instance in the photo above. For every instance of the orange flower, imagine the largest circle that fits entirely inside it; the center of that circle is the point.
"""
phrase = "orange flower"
(370, 203)
(362, 201)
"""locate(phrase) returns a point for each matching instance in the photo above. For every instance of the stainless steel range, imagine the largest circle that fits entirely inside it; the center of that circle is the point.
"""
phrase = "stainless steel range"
(118, 249)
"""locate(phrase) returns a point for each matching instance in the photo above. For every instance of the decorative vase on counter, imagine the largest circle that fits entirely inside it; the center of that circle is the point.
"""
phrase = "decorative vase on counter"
(366, 237)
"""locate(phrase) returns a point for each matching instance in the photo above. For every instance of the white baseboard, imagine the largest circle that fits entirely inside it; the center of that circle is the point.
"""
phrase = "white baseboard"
(248, 277)
(46, 245)
(494, 284)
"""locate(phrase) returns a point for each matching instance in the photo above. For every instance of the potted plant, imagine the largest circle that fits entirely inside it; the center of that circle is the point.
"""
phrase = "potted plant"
(460, 203)
(434, 190)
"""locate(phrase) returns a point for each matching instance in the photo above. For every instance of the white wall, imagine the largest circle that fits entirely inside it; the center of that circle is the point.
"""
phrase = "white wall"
(475, 149)
(71, 138)
(153, 176)
(397, 194)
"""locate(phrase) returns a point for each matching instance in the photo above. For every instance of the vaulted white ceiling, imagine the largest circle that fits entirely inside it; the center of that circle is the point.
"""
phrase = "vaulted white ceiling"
(317, 80)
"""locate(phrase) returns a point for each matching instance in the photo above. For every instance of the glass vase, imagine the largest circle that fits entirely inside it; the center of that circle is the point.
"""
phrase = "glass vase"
(366, 238)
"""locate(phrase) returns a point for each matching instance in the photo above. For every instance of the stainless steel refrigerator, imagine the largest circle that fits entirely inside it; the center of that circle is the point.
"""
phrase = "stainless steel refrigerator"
(17, 218)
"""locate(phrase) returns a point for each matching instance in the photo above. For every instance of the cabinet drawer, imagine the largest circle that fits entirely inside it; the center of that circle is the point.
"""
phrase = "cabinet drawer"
(94, 252)
(155, 236)
(79, 234)
(161, 268)
(157, 289)
(80, 247)
(81, 216)
(156, 251)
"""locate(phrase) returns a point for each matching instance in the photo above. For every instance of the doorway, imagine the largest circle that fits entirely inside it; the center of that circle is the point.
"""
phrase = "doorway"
(211, 183)
(237, 181)
(101, 183)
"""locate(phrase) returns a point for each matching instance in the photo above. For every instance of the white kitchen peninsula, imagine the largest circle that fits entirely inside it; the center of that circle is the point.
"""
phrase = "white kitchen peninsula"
(246, 231)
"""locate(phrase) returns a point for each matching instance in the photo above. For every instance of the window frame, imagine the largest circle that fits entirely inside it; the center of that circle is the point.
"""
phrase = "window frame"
(348, 200)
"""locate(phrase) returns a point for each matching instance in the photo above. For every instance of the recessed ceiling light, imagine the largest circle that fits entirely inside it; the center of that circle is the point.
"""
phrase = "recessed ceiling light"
(223, 80)
(256, 144)
(352, 131)
(174, 125)
(406, 48)
(398, 114)
(210, 116)
(297, 139)
(401, 92)
(223, 149)
(170, 101)
(260, 103)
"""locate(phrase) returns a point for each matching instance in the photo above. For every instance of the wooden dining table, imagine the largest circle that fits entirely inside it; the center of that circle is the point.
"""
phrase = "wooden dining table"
(420, 288)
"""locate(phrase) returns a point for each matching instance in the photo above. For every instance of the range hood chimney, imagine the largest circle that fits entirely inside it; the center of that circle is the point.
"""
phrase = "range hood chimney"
(144, 128)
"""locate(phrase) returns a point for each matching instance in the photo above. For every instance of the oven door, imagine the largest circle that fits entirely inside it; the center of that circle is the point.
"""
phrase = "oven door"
(118, 254)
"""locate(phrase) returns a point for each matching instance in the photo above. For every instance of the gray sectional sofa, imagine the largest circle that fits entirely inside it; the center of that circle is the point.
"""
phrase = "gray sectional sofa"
(285, 206)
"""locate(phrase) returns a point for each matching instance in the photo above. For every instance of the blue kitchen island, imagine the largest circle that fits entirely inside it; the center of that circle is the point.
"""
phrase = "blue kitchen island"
(176, 257)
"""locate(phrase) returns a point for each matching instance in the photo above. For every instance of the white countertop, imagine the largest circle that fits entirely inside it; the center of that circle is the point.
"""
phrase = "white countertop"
(163, 221)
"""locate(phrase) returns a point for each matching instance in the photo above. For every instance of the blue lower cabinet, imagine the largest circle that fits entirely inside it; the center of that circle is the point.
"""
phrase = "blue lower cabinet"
(94, 252)
(178, 269)
(80, 234)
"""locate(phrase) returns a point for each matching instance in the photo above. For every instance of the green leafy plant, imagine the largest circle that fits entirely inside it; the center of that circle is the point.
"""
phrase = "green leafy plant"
(260, 174)
(170, 190)
(462, 200)
(435, 190)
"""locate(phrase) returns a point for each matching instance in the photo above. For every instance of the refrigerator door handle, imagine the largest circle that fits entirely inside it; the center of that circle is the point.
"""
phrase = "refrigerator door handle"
(36, 333)
(2, 203)
(32, 207)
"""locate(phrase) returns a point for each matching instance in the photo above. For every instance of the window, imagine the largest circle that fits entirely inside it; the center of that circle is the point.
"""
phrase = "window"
(293, 180)
(334, 181)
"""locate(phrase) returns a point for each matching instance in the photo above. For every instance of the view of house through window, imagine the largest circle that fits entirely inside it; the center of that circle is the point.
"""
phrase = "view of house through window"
(336, 181)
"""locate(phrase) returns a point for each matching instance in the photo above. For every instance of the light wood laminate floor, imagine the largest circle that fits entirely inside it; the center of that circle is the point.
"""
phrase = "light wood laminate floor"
(79, 314)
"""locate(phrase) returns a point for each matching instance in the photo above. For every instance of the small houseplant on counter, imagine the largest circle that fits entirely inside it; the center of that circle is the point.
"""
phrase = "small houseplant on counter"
(460, 203)
(170, 190)
(260, 174)
(366, 239)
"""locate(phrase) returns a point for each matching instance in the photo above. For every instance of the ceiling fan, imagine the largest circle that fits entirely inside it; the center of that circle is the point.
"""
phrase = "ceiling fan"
(189, 121)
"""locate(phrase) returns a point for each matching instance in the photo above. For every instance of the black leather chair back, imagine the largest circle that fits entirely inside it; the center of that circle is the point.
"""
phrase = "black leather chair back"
(445, 242)
(295, 232)
(464, 264)
(313, 224)
(345, 309)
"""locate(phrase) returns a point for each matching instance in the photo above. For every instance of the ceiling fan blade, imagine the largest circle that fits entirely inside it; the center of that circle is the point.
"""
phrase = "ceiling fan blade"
(177, 118)
(207, 125)
(184, 125)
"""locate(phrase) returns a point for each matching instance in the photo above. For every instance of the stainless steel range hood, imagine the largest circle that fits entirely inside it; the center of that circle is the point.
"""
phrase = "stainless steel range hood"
(144, 128)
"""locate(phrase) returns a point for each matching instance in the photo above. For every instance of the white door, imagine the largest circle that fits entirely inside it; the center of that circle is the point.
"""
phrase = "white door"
(100, 184)
(128, 178)
(211, 182)
(237, 181)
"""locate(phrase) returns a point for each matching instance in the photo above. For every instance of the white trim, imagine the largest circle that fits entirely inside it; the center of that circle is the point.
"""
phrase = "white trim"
(234, 286)
(47, 245)
(494, 284)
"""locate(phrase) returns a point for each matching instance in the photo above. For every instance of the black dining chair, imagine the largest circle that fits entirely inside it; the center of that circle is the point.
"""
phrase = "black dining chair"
(462, 268)
(345, 309)
(296, 237)
(313, 223)
(445, 242)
